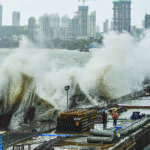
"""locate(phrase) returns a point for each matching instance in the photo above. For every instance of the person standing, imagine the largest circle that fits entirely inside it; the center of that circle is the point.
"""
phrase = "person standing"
(115, 116)
(104, 118)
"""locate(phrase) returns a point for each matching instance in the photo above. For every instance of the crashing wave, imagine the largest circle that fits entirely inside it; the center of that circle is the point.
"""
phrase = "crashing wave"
(35, 79)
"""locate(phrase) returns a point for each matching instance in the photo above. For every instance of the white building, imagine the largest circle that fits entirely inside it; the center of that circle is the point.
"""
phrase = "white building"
(65, 21)
(45, 34)
(1, 14)
(106, 26)
(97, 29)
(112, 26)
(59, 34)
(92, 25)
(16, 18)
(75, 26)
(69, 32)
(32, 28)
(54, 20)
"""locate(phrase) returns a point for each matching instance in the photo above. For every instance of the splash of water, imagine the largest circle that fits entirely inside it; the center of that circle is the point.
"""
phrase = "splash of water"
(118, 68)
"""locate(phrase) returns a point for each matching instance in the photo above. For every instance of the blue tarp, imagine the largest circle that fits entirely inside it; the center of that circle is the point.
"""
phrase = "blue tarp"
(1, 142)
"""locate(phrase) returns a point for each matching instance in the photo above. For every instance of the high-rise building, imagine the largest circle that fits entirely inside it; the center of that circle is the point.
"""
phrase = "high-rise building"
(143, 24)
(75, 26)
(122, 15)
(44, 28)
(32, 28)
(65, 21)
(16, 18)
(137, 32)
(83, 21)
(106, 26)
(98, 29)
(133, 30)
(59, 34)
(66, 31)
(72, 30)
(54, 20)
(111, 25)
(70, 34)
(92, 25)
(147, 21)
(1, 14)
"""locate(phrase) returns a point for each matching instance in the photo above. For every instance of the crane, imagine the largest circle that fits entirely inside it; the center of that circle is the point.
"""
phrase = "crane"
(83, 1)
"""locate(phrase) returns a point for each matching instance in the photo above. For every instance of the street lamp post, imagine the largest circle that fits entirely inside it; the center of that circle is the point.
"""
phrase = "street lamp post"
(67, 89)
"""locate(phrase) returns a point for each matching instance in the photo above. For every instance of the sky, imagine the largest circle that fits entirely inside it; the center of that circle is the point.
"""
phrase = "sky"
(37, 8)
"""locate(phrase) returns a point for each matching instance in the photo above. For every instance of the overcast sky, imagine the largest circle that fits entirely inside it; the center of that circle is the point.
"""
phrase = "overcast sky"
(37, 8)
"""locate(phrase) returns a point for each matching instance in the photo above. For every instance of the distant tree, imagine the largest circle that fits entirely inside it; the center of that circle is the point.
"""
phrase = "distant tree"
(71, 45)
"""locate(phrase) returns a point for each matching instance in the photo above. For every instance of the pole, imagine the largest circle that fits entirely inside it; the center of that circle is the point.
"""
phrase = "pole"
(67, 89)
(67, 100)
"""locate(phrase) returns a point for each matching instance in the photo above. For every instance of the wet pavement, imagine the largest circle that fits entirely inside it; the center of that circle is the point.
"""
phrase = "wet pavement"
(81, 143)
(70, 143)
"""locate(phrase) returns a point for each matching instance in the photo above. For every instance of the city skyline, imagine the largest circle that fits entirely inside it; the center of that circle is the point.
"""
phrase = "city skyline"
(102, 7)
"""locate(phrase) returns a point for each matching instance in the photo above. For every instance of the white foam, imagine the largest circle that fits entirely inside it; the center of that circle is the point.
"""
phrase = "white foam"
(116, 69)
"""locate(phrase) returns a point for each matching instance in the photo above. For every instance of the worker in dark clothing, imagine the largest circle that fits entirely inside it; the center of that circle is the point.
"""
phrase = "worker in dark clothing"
(104, 118)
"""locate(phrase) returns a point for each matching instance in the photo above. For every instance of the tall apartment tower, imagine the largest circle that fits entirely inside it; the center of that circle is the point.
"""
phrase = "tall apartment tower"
(122, 15)
(44, 28)
(75, 26)
(111, 25)
(54, 21)
(92, 25)
(98, 29)
(32, 28)
(65, 21)
(70, 35)
(16, 18)
(106, 26)
(147, 21)
(83, 21)
(1, 14)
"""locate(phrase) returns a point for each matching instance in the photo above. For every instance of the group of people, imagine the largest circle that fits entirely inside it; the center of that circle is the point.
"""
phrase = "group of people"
(114, 116)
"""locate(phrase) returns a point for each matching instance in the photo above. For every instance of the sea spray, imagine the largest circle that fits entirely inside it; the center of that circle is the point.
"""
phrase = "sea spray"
(112, 71)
